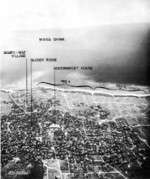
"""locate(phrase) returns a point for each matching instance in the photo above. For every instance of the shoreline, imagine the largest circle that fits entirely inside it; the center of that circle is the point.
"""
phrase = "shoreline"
(99, 92)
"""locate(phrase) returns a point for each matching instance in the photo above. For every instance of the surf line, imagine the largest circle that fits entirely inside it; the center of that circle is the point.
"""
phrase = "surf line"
(80, 86)
(88, 86)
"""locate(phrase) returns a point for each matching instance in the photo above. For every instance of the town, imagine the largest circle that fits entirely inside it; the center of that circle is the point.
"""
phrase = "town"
(88, 145)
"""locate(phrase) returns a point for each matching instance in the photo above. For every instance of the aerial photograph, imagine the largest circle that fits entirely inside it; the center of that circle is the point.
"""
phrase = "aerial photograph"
(75, 89)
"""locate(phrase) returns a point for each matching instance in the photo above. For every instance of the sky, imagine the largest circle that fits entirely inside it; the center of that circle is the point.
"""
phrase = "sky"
(31, 14)
(111, 35)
